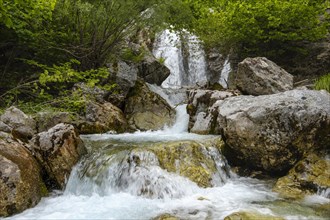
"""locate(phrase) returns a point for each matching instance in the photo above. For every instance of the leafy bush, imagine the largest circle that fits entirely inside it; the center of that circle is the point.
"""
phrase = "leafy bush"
(53, 88)
(323, 83)
(260, 27)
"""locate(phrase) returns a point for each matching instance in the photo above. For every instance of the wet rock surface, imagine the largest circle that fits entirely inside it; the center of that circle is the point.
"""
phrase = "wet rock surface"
(58, 150)
(251, 216)
(260, 76)
(148, 169)
(152, 71)
(146, 110)
(21, 185)
(309, 176)
(198, 103)
(271, 132)
(101, 118)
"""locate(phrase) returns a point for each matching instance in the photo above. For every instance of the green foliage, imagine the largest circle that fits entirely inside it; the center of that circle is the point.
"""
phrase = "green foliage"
(128, 54)
(53, 88)
(161, 60)
(92, 31)
(259, 26)
(21, 13)
(323, 83)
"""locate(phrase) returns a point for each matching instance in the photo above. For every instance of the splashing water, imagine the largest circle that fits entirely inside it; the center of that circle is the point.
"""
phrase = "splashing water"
(224, 76)
(116, 182)
(185, 58)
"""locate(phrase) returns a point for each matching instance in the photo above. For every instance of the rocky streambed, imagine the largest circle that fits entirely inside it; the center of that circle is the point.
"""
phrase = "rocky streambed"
(260, 152)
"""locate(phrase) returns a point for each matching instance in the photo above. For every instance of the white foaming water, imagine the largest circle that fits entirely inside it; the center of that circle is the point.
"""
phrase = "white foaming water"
(225, 74)
(185, 58)
(198, 203)
(128, 184)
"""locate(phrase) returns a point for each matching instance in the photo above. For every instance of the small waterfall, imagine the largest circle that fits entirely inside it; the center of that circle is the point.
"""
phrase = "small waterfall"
(134, 172)
(223, 81)
(185, 58)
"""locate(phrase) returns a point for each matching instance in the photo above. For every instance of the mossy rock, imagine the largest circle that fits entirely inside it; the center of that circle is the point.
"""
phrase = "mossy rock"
(305, 178)
(189, 158)
(166, 217)
(251, 216)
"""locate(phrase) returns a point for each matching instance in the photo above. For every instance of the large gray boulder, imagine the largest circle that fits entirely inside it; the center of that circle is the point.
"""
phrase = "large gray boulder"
(260, 76)
(101, 118)
(22, 126)
(146, 110)
(21, 185)
(272, 132)
(124, 75)
(152, 71)
(198, 103)
(58, 150)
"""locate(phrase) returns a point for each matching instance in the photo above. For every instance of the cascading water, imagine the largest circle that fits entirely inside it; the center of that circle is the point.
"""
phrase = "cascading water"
(225, 74)
(122, 178)
(184, 56)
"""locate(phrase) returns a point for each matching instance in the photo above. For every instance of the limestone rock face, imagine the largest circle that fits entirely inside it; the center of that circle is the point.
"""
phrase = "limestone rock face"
(146, 110)
(101, 118)
(152, 71)
(309, 176)
(270, 132)
(273, 132)
(22, 126)
(58, 150)
(260, 76)
(4, 127)
(215, 63)
(124, 74)
(198, 103)
(21, 185)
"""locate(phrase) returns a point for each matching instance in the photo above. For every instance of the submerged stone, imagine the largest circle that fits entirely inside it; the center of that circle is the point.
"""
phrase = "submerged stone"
(166, 217)
(190, 159)
(251, 216)
(168, 169)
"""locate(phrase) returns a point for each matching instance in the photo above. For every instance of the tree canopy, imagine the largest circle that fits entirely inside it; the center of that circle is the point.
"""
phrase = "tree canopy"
(83, 35)
(257, 26)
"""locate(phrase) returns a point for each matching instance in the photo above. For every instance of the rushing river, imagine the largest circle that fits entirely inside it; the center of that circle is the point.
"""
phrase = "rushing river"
(108, 189)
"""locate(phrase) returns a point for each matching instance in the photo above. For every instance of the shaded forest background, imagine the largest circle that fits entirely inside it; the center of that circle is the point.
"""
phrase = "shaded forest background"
(48, 46)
